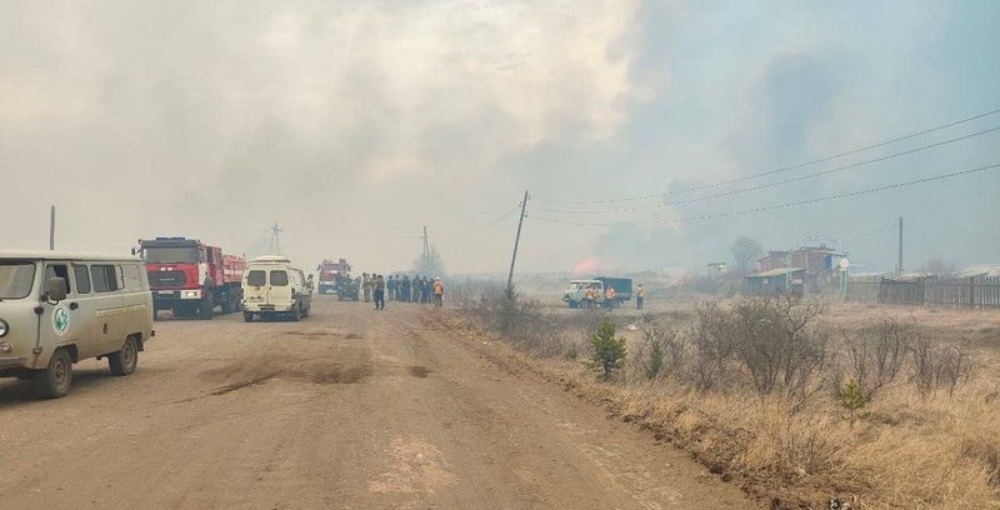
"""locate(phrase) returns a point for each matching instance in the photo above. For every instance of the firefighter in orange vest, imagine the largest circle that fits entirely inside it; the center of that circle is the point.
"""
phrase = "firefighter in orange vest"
(609, 297)
(589, 297)
(438, 288)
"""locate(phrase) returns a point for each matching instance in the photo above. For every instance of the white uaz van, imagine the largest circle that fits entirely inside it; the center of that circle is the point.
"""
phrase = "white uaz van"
(273, 287)
(59, 308)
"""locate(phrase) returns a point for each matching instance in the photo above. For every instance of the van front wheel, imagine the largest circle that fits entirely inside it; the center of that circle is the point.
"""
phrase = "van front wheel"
(55, 381)
(123, 362)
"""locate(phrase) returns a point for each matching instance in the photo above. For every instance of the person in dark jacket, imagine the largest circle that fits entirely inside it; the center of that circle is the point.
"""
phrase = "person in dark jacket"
(378, 287)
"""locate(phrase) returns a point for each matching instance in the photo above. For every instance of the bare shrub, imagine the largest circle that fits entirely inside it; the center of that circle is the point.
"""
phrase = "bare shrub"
(924, 364)
(803, 448)
(956, 365)
(521, 321)
(714, 341)
(876, 354)
(781, 344)
(936, 365)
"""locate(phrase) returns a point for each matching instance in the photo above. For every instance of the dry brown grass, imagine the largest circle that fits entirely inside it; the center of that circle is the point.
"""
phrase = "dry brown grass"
(907, 450)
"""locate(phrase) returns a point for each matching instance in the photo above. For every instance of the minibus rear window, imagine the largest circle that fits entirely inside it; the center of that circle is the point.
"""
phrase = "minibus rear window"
(256, 278)
(279, 278)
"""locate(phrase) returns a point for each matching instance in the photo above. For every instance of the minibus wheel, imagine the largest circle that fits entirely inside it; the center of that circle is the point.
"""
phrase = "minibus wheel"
(123, 362)
(56, 379)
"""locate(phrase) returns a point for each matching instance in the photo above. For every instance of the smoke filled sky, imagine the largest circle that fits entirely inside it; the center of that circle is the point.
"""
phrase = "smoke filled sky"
(354, 124)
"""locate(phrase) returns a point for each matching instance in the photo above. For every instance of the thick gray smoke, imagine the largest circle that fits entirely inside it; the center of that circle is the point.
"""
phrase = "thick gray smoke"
(354, 124)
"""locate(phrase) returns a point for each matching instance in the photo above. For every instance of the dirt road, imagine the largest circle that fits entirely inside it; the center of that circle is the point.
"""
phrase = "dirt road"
(349, 409)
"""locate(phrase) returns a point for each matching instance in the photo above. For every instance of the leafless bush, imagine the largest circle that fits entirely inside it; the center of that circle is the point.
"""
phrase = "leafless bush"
(936, 365)
(802, 448)
(925, 363)
(876, 354)
(521, 321)
(661, 351)
(956, 365)
(714, 340)
(780, 343)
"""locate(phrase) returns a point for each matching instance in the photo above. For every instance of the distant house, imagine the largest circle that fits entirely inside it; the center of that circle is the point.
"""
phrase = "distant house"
(776, 281)
(820, 264)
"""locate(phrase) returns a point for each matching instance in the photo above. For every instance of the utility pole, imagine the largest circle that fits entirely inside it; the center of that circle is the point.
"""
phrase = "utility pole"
(52, 228)
(427, 245)
(275, 248)
(899, 267)
(517, 241)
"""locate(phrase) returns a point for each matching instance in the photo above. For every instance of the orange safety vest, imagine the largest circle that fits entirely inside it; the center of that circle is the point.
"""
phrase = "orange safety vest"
(609, 293)
(438, 288)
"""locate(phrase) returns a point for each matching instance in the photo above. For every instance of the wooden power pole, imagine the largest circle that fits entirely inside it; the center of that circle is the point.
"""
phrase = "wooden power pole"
(517, 242)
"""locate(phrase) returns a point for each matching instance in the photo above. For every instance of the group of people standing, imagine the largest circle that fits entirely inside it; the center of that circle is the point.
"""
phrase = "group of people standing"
(590, 297)
(373, 289)
(401, 288)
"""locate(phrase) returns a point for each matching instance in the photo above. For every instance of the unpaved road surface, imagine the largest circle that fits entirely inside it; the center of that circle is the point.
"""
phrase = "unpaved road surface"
(348, 409)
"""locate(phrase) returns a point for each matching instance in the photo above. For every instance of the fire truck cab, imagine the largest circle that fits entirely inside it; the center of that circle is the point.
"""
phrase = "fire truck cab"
(190, 278)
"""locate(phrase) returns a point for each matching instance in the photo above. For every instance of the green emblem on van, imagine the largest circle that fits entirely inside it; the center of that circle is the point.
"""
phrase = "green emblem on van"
(60, 320)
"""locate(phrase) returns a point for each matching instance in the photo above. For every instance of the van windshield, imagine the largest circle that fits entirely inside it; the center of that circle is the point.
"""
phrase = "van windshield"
(256, 278)
(279, 278)
(16, 279)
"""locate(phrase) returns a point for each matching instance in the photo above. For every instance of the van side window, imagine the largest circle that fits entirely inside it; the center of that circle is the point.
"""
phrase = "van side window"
(279, 278)
(130, 277)
(82, 275)
(57, 271)
(105, 277)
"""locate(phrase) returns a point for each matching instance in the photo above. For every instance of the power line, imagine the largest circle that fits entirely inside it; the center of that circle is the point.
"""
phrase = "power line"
(782, 182)
(892, 225)
(506, 229)
(778, 170)
(779, 206)
(490, 225)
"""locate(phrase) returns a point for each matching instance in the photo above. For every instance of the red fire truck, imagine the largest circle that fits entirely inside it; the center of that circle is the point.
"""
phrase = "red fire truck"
(330, 273)
(191, 278)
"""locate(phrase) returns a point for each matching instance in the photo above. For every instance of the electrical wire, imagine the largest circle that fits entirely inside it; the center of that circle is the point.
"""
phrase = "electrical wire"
(777, 170)
(869, 234)
(781, 182)
(508, 228)
(489, 225)
(780, 206)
